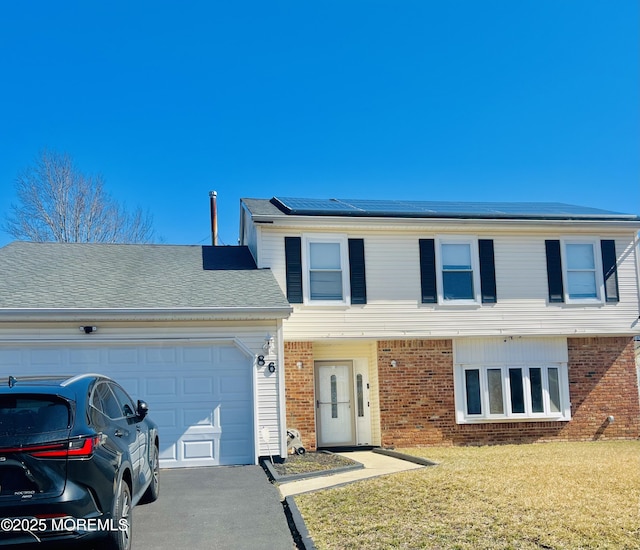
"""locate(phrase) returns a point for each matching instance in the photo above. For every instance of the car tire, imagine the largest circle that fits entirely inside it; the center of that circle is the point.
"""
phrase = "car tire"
(119, 538)
(153, 491)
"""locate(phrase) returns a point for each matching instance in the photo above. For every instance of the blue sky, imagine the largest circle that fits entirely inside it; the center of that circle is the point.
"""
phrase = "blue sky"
(457, 100)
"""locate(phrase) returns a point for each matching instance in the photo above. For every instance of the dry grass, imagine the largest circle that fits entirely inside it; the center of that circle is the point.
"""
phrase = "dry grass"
(554, 495)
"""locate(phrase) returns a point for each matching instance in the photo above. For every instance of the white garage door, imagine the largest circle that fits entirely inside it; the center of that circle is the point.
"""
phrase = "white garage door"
(200, 395)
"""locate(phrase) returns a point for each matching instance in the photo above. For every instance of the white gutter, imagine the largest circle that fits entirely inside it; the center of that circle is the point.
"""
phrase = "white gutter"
(143, 314)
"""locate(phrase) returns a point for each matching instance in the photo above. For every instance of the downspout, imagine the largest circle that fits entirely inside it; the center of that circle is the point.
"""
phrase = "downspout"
(282, 406)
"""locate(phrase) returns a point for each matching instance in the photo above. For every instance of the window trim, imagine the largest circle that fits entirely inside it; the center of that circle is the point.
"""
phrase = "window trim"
(475, 267)
(342, 241)
(597, 261)
(507, 416)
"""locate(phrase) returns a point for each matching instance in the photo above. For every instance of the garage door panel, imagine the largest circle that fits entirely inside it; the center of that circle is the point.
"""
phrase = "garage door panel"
(161, 355)
(197, 385)
(11, 358)
(200, 395)
(84, 357)
(123, 356)
(198, 418)
(161, 387)
(233, 384)
(198, 450)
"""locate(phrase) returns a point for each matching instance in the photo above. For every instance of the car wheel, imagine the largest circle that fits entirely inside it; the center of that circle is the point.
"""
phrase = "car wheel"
(153, 491)
(120, 536)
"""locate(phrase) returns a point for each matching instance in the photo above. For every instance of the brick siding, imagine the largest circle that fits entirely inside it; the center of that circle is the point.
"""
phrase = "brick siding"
(299, 391)
(417, 404)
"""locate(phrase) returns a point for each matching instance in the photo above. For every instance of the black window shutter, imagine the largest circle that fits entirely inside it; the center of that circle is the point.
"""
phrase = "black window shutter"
(293, 257)
(554, 271)
(428, 271)
(610, 270)
(357, 274)
(487, 271)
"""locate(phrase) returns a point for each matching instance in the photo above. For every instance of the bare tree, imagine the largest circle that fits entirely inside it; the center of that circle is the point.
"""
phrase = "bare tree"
(56, 202)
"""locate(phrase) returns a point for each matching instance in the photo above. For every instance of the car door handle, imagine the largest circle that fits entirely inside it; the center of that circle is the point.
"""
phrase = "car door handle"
(118, 433)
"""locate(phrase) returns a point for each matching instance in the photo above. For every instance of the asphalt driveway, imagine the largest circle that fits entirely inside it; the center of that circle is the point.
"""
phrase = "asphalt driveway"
(225, 507)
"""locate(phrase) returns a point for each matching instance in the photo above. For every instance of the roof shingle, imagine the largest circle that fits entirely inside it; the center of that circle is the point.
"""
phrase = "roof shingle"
(117, 276)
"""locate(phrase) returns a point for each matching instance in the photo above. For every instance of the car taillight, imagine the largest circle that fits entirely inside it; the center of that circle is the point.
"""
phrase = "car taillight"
(76, 448)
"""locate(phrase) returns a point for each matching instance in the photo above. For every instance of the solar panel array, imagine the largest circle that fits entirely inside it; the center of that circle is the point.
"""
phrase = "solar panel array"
(439, 209)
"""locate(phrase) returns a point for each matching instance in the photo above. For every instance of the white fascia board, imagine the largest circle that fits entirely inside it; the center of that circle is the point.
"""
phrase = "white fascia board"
(437, 224)
(150, 314)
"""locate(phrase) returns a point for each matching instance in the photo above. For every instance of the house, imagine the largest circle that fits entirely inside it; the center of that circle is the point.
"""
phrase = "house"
(418, 323)
(196, 331)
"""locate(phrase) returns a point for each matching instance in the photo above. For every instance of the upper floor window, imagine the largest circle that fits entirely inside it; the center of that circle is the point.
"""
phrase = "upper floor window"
(458, 271)
(580, 271)
(325, 269)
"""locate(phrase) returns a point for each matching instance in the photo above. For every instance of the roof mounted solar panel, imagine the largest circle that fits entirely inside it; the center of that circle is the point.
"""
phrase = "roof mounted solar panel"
(443, 209)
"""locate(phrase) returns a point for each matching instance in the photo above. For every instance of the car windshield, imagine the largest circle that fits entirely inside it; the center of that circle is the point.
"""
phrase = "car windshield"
(32, 414)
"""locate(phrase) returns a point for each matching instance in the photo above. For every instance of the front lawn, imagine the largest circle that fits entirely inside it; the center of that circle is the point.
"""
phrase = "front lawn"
(544, 496)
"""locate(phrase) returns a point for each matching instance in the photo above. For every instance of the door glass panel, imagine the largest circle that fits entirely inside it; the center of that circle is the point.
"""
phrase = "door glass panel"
(535, 377)
(334, 396)
(360, 395)
(554, 390)
(472, 383)
(496, 401)
(517, 390)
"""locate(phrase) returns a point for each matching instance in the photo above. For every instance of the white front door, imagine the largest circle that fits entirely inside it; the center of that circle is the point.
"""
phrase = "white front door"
(334, 407)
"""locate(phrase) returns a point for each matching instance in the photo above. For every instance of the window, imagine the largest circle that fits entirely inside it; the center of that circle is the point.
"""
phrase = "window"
(360, 395)
(104, 400)
(458, 274)
(515, 393)
(580, 272)
(325, 269)
(124, 401)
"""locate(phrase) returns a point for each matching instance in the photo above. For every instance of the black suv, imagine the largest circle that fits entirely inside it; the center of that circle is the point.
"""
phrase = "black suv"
(76, 455)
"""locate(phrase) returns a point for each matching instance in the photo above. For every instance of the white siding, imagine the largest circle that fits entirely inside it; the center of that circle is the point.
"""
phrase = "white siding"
(250, 237)
(510, 351)
(394, 309)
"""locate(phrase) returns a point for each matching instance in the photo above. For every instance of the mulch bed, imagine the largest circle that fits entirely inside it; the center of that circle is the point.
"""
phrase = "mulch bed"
(311, 462)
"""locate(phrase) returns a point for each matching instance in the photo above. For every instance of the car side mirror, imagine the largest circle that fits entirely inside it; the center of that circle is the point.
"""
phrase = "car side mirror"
(143, 409)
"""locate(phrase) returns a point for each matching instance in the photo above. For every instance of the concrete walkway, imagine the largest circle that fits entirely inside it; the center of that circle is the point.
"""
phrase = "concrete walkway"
(374, 465)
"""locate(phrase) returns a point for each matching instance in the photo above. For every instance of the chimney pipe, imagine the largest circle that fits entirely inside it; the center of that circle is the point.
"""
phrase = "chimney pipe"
(213, 203)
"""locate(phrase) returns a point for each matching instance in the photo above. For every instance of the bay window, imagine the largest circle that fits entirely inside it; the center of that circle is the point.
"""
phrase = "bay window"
(507, 393)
